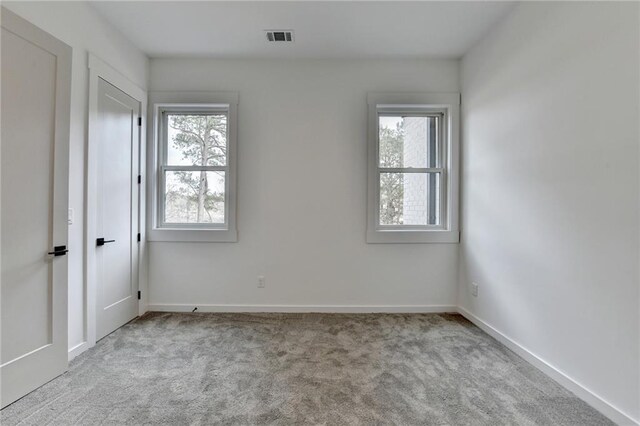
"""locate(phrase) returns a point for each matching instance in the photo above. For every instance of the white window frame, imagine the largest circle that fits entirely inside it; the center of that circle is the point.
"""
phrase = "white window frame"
(163, 104)
(447, 107)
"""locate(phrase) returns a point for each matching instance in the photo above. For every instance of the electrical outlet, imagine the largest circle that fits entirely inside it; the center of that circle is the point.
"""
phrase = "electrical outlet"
(474, 289)
(260, 281)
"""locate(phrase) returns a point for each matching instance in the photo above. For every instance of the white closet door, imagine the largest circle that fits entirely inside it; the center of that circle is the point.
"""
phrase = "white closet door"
(36, 85)
(117, 208)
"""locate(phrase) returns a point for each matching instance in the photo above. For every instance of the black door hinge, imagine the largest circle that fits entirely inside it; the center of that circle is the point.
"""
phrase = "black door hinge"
(139, 295)
(138, 237)
(140, 121)
(139, 179)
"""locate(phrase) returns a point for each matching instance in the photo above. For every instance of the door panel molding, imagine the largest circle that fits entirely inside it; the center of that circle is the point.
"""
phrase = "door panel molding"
(98, 69)
(32, 369)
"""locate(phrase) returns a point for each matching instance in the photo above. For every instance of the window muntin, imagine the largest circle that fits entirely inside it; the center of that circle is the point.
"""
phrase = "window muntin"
(193, 190)
(409, 151)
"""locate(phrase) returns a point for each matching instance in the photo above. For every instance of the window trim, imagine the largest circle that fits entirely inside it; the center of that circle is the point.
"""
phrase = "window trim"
(447, 104)
(196, 102)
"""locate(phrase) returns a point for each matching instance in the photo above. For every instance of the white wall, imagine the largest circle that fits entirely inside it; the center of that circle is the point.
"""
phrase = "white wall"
(78, 25)
(302, 191)
(550, 190)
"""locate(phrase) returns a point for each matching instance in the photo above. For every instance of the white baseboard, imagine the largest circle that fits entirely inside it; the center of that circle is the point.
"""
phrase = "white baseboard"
(170, 307)
(579, 390)
(77, 350)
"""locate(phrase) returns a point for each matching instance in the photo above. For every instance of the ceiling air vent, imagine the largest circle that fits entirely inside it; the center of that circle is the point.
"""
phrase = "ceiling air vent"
(279, 35)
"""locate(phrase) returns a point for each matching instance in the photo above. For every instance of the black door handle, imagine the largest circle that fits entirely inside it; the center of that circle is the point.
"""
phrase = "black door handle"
(102, 241)
(59, 251)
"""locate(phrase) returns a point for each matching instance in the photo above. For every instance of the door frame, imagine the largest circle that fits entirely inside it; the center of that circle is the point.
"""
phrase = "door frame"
(98, 69)
(60, 192)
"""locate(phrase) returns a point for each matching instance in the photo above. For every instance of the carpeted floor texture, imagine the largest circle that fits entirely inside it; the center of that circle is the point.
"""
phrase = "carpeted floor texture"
(330, 369)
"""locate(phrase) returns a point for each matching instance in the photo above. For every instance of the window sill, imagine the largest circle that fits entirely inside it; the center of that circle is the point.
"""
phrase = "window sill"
(193, 235)
(413, 237)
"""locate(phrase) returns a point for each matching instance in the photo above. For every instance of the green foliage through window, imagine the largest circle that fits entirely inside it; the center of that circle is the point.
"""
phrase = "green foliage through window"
(391, 185)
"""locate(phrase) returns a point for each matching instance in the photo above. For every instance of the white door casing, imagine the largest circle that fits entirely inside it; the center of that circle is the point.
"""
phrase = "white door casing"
(117, 208)
(36, 89)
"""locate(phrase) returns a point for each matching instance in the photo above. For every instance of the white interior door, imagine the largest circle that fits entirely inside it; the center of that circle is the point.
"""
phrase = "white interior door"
(117, 209)
(34, 171)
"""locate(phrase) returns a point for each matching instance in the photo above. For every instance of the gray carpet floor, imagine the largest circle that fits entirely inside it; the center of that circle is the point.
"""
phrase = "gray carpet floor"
(330, 369)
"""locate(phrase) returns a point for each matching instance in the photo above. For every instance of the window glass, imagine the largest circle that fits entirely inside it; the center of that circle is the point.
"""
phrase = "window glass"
(194, 168)
(409, 199)
(194, 197)
(407, 141)
(197, 139)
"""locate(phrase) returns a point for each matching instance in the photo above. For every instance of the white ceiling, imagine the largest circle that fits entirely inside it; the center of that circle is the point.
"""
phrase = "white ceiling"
(234, 29)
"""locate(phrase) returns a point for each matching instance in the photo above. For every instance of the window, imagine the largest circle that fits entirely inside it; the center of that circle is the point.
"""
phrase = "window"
(194, 168)
(413, 168)
(195, 172)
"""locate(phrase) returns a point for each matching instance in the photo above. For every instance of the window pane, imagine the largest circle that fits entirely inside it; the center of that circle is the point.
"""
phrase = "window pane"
(197, 140)
(408, 141)
(409, 199)
(194, 197)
